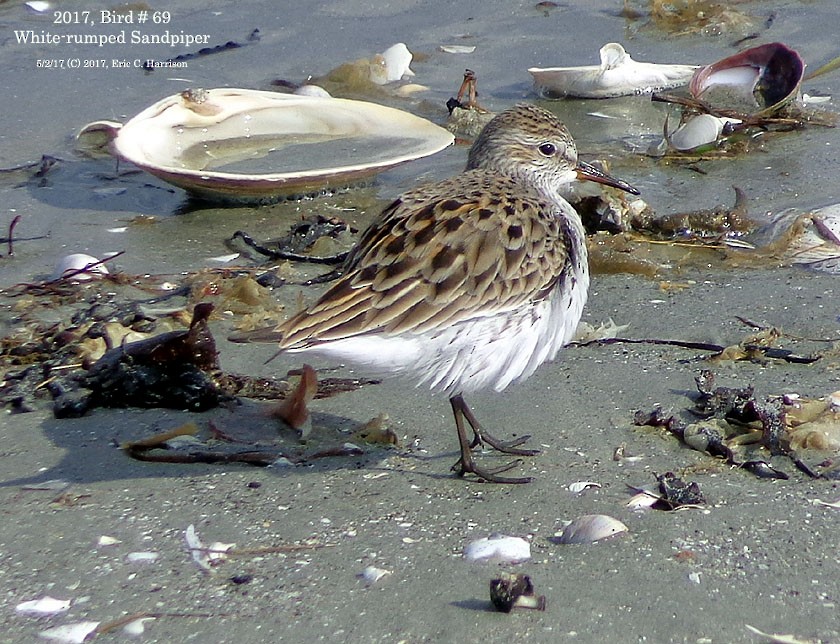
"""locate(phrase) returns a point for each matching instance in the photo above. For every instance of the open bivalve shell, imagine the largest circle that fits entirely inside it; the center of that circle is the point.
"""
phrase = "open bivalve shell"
(757, 81)
(250, 146)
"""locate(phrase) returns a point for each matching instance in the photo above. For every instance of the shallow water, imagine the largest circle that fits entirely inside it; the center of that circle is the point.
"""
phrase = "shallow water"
(80, 201)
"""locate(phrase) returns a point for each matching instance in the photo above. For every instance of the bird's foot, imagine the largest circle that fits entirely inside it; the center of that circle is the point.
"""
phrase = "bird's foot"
(467, 465)
(509, 447)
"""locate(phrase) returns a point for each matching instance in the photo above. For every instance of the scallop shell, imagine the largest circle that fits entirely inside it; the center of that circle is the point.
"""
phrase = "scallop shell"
(250, 146)
(617, 75)
(590, 528)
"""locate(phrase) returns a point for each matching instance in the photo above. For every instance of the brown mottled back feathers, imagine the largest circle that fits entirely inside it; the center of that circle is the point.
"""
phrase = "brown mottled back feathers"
(431, 261)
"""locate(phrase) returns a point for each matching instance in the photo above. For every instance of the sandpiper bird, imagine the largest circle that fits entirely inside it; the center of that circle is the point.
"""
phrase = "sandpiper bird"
(465, 284)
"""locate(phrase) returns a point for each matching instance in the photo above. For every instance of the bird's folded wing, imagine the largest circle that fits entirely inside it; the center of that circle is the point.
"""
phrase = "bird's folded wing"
(431, 262)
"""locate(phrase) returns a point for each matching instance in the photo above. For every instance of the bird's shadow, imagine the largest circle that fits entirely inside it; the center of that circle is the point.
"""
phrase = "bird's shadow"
(93, 445)
(475, 604)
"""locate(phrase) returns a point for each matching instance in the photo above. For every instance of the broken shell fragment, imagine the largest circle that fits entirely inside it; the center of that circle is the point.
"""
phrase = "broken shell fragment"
(457, 49)
(391, 65)
(758, 81)
(578, 487)
(205, 556)
(817, 244)
(498, 548)
(617, 75)
(372, 574)
(250, 146)
(511, 591)
(590, 528)
(142, 557)
(137, 627)
(75, 633)
(42, 607)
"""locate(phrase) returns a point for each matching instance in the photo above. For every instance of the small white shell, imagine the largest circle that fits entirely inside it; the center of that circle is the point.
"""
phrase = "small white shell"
(410, 89)
(815, 100)
(698, 130)
(75, 633)
(80, 267)
(205, 556)
(223, 259)
(37, 6)
(142, 557)
(590, 528)
(457, 49)
(137, 627)
(312, 90)
(834, 401)
(643, 501)
(581, 486)
(828, 504)
(44, 606)
(498, 548)
(105, 540)
(372, 574)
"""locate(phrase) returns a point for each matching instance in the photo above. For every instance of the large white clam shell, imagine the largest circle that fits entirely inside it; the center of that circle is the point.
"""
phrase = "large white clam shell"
(253, 146)
(617, 75)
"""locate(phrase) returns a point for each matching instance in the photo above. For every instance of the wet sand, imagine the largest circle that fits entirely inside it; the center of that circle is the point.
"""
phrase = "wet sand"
(760, 552)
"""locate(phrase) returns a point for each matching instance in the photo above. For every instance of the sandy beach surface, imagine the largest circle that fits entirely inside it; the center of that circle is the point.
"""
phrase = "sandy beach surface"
(760, 552)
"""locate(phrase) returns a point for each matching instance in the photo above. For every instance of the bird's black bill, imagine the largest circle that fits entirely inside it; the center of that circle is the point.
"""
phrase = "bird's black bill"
(591, 173)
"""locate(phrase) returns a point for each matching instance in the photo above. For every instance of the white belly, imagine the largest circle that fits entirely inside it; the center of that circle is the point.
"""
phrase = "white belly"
(482, 353)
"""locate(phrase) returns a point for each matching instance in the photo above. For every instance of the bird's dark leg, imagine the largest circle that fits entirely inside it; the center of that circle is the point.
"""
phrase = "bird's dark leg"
(466, 464)
(481, 435)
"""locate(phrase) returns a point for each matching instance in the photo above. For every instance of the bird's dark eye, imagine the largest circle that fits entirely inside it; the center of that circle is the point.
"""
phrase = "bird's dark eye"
(548, 149)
